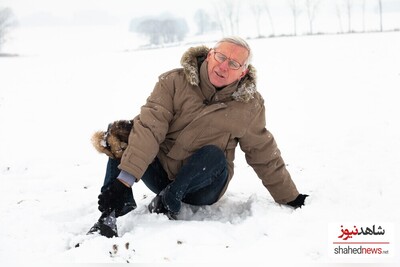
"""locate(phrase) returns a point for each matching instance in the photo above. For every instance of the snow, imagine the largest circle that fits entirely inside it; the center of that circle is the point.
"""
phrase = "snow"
(332, 105)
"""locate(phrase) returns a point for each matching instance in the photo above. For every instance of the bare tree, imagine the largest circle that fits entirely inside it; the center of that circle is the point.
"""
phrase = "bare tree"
(338, 10)
(380, 14)
(227, 14)
(220, 20)
(256, 8)
(266, 7)
(7, 21)
(363, 5)
(150, 28)
(161, 31)
(204, 22)
(311, 8)
(349, 11)
(295, 9)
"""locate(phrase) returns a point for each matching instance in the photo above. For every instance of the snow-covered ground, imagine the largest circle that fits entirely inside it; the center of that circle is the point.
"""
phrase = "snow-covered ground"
(332, 103)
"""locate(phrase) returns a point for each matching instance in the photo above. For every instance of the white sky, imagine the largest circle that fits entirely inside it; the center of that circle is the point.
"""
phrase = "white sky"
(66, 7)
(122, 11)
(114, 7)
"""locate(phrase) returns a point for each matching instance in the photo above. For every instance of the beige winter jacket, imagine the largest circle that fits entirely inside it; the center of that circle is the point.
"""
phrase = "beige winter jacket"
(185, 112)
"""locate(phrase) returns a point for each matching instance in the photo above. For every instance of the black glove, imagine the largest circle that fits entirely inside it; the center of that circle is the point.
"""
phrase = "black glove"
(298, 202)
(112, 198)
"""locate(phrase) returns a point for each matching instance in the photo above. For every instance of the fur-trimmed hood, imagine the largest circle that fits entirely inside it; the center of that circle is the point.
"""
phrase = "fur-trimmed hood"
(195, 56)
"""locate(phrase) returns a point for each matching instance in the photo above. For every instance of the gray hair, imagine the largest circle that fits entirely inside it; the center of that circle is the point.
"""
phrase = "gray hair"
(240, 42)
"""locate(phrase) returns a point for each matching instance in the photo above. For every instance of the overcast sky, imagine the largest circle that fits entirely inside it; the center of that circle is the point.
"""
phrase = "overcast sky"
(112, 12)
(66, 7)
(113, 8)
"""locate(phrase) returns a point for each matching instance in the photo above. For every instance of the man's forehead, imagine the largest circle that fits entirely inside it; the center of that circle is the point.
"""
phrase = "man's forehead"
(230, 48)
(228, 45)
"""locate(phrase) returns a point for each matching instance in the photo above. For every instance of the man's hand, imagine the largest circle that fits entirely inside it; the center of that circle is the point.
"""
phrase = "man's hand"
(298, 202)
(112, 197)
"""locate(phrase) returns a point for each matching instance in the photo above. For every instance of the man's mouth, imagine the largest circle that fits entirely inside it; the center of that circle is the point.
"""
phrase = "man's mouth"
(221, 76)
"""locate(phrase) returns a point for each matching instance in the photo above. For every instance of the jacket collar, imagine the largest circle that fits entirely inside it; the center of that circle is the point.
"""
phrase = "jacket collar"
(192, 60)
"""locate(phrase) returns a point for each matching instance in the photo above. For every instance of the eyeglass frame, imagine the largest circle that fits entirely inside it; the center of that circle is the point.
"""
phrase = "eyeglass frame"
(227, 58)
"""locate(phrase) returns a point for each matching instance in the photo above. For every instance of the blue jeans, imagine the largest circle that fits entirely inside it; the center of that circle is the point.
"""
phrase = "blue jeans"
(200, 181)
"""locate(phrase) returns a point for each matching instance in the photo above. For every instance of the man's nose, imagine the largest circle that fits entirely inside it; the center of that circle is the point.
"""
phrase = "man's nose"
(224, 65)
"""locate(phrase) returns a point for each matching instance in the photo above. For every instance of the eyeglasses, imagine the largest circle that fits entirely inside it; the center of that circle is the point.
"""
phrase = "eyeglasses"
(232, 64)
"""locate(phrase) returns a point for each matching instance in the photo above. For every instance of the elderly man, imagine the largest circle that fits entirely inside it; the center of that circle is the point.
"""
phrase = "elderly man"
(182, 144)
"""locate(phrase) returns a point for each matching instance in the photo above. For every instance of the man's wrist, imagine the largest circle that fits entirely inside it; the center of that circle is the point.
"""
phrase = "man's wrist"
(124, 183)
(126, 178)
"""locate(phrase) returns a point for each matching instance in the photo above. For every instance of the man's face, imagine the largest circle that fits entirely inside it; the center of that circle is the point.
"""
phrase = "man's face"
(223, 73)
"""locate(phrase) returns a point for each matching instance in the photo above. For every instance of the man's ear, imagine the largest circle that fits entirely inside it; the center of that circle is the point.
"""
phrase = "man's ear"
(244, 73)
(209, 54)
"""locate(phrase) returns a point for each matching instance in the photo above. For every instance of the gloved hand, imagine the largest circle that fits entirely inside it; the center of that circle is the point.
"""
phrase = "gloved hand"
(298, 202)
(112, 197)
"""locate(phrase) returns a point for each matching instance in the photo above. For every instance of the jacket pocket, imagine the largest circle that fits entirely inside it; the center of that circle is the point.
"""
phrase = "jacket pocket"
(207, 136)
(210, 136)
(178, 152)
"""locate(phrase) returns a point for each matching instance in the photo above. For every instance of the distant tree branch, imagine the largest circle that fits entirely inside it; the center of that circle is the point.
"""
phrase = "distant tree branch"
(7, 21)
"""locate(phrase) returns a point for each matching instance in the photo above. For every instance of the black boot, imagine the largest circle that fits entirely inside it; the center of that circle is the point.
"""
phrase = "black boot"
(157, 206)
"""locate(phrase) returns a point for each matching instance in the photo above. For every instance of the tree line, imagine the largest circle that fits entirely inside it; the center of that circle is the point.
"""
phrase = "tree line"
(161, 30)
(228, 15)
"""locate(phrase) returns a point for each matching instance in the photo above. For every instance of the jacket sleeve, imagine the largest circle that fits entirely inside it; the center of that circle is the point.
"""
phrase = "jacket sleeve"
(150, 128)
(263, 155)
